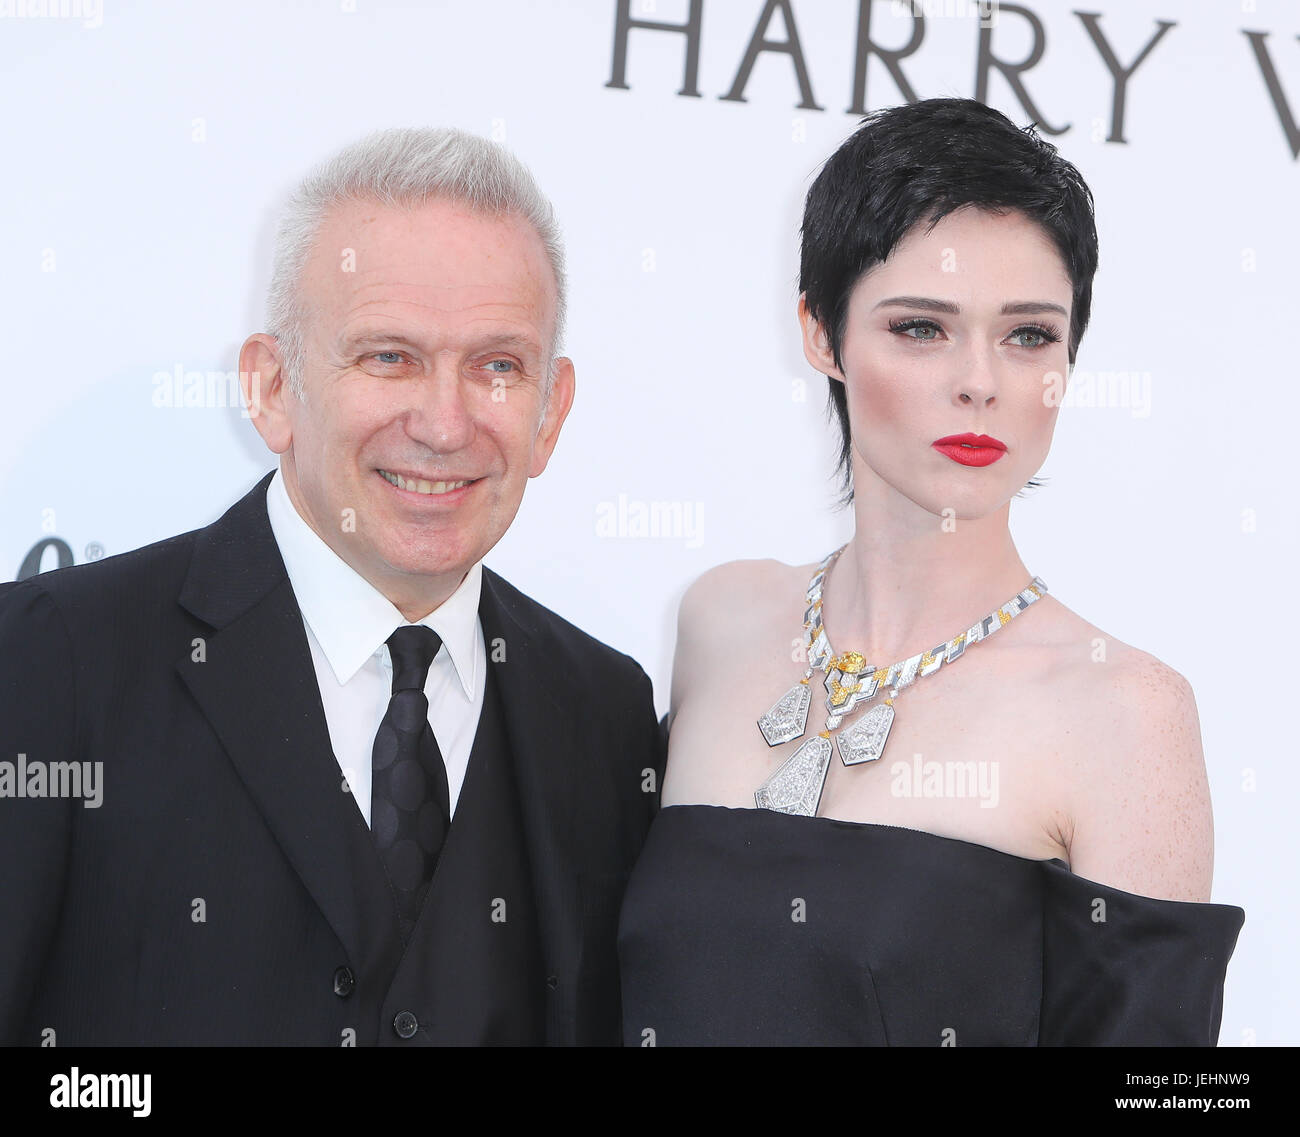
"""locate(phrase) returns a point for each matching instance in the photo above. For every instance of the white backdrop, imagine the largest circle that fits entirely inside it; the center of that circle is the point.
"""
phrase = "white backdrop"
(148, 145)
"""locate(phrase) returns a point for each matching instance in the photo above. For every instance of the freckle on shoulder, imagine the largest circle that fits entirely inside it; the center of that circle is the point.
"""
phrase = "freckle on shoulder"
(1150, 684)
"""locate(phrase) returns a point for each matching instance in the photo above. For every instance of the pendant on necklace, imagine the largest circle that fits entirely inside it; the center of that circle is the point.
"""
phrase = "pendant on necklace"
(788, 717)
(796, 786)
(865, 740)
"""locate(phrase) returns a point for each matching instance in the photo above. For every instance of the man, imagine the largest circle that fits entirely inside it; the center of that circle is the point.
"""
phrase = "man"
(354, 787)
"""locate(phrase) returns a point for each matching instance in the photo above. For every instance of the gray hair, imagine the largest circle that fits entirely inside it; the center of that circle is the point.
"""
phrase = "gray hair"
(403, 167)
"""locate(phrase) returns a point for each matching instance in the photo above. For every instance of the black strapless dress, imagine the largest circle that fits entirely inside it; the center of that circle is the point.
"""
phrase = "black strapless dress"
(750, 927)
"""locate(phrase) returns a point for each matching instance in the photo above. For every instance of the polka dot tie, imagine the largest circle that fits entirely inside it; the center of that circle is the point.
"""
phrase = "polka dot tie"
(409, 803)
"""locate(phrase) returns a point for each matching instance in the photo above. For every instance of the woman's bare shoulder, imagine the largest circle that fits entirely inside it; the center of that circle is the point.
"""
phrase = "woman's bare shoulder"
(1120, 693)
(1102, 663)
(730, 609)
(1140, 810)
(728, 590)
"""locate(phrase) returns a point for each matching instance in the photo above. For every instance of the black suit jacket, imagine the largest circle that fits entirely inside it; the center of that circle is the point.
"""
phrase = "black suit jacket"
(212, 896)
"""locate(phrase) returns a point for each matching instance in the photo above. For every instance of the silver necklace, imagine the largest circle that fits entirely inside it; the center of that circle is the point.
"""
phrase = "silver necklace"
(796, 786)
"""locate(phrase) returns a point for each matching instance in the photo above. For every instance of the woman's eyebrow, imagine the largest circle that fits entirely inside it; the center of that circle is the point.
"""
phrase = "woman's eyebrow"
(1017, 308)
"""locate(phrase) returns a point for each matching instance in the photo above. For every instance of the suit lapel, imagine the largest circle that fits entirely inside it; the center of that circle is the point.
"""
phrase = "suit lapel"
(257, 687)
(539, 729)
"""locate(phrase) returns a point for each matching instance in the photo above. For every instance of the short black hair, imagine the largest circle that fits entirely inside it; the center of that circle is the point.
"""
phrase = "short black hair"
(917, 163)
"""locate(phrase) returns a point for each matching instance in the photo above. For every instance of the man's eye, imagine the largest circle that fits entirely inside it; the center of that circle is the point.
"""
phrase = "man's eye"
(388, 356)
(502, 366)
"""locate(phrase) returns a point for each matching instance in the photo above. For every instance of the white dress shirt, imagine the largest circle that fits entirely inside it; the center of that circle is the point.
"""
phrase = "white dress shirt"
(348, 621)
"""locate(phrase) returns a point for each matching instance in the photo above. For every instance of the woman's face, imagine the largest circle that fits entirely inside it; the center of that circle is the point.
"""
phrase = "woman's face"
(954, 334)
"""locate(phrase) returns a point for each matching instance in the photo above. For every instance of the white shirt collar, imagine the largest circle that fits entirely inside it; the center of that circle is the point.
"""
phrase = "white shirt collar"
(350, 618)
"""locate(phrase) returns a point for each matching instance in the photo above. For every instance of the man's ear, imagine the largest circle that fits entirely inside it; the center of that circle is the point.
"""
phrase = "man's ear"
(816, 343)
(557, 410)
(266, 392)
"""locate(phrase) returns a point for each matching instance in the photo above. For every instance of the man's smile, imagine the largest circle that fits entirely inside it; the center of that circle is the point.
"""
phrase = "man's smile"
(423, 486)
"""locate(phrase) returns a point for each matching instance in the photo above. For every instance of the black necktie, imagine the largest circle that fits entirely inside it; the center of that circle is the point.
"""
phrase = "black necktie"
(409, 803)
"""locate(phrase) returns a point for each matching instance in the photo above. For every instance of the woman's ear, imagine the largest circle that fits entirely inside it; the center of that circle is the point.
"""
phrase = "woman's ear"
(816, 343)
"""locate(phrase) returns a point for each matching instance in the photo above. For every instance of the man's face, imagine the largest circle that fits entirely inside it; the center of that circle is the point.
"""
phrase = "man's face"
(424, 411)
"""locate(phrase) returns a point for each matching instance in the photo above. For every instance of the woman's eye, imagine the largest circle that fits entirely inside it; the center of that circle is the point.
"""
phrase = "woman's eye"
(1038, 336)
(927, 329)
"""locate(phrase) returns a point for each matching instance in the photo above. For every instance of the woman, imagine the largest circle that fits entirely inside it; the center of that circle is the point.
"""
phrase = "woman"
(967, 816)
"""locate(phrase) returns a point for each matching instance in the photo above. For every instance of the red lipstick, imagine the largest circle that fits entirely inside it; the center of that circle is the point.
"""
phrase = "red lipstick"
(970, 449)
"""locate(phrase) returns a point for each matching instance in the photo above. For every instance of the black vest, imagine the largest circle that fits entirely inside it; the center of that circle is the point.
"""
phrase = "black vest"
(472, 973)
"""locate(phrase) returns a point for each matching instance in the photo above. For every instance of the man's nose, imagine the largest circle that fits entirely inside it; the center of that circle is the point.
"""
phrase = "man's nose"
(440, 414)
